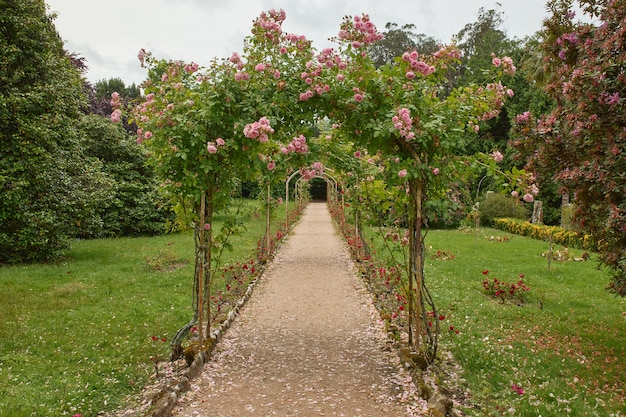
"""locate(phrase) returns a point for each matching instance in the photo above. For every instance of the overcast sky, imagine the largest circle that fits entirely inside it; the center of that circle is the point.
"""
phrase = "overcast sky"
(108, 34)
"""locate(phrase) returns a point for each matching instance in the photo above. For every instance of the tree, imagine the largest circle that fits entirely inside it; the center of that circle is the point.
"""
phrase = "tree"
(398, 40)
(47, 185)
(135, 206)
(582, 142)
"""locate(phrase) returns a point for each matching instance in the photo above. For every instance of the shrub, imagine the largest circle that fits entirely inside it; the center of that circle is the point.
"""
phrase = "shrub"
(537, 231)
(499, 205)
(505, 291)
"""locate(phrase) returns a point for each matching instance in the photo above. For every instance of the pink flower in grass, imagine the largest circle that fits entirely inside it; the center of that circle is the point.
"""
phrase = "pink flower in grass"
(517, 389)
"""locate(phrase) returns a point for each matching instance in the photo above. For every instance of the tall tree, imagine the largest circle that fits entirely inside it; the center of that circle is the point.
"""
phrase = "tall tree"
(582, 142)
(398, 40)
(47, 186)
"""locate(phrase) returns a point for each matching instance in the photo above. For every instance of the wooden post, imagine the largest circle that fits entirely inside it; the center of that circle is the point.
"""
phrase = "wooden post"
(416, 262)
(200, 255)
(208, 243)
(268, 238)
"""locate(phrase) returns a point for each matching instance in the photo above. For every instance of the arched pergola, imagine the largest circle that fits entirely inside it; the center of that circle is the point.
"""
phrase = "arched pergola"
(331, 184)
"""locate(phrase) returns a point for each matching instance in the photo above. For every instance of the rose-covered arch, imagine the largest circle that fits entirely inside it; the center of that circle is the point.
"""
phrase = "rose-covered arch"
(256, 115)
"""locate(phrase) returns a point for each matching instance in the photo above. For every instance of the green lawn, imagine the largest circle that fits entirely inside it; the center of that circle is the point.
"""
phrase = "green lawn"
(562, 353)
(75, 336)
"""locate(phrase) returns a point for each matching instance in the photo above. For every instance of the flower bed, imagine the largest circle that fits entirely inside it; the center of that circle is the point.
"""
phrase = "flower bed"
(539, 231)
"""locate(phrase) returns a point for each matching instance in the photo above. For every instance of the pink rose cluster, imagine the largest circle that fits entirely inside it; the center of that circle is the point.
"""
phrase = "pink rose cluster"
(317, 168)
(298, 145)
(530, 194)
(212, 147)
(360, 32)
(258, 130)
(269, 23)
(300, 41)
(522, 118)
(309, 76)
(416, 65)
(500, 93)
(141, 55)
(497, 156)
(191, 67)
(447, 52)
(403, 123)
(116, 102)
(506, 62)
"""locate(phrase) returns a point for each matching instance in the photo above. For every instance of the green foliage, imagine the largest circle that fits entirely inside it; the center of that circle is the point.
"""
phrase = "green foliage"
(104, 88)
(500, 205)
(580, 143)
(135, 206)
(48, 186)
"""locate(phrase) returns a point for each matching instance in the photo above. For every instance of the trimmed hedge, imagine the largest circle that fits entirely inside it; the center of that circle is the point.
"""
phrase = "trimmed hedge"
(539, 231)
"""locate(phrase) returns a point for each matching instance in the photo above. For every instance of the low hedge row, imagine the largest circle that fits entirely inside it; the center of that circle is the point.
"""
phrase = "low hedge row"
(539, 231)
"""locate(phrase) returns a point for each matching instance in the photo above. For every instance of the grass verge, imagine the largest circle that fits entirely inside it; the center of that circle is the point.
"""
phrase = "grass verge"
(77, 336)
(561, 352)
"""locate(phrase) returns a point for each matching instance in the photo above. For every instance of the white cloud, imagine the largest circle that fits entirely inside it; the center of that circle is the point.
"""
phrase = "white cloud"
(110, 33)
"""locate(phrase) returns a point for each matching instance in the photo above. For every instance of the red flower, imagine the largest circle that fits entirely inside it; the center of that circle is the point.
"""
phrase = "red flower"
(155, 338)
(521, 276)
(485, 272)
(442, 318)
(517, 389)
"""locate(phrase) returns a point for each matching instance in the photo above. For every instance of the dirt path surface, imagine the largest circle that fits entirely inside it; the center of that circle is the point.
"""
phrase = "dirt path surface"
(307, 343)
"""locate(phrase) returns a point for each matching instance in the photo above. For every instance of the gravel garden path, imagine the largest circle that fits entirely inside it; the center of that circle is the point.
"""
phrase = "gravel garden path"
(309, 342)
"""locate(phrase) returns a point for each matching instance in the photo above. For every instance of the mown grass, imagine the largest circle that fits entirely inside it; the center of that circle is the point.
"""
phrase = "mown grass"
(562, 353)
(75, 336)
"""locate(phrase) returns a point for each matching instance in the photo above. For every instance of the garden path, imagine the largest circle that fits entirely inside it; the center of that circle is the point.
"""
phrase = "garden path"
(308, 342)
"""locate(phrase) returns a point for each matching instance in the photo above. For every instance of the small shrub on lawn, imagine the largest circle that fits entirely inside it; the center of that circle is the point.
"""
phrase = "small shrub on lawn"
(505, 291)
(499, 205)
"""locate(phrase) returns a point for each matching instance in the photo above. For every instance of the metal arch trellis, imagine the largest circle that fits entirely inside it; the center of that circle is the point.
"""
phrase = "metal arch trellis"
(327, 177)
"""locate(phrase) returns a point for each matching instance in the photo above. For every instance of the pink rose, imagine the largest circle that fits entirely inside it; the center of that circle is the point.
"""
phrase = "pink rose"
(497, 156)
(402, 173)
